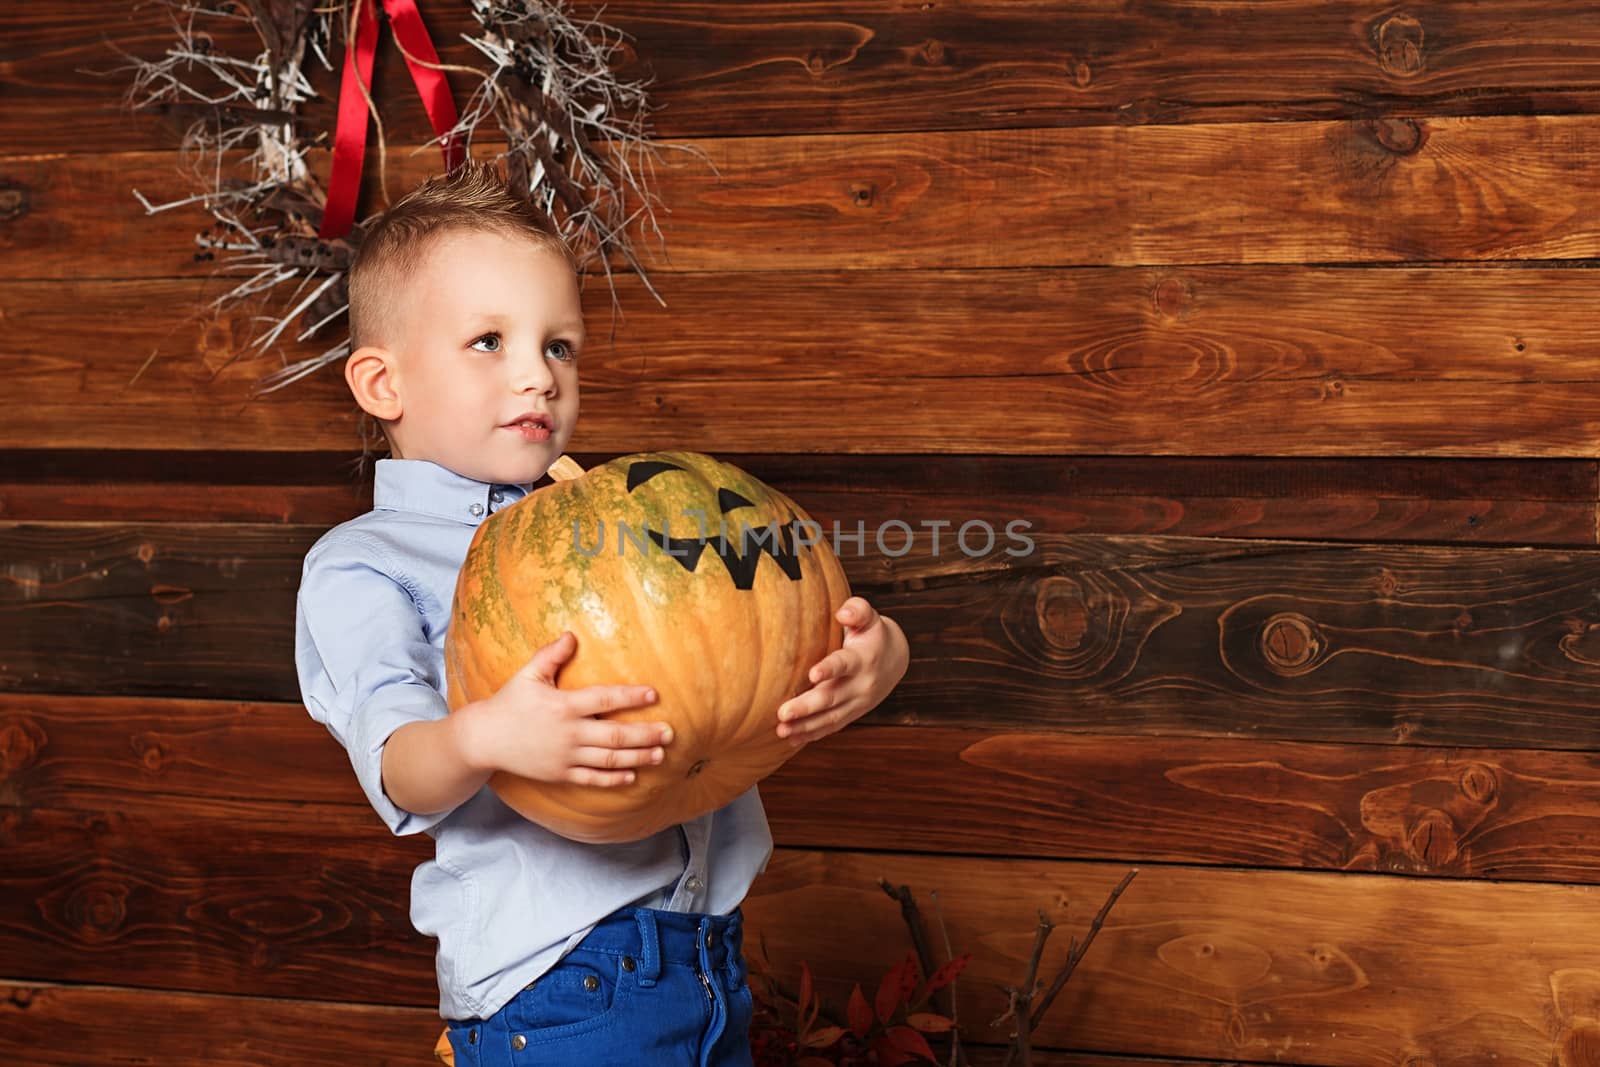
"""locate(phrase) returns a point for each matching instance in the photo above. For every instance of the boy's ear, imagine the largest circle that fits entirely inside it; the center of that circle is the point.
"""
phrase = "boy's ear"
(374, 379)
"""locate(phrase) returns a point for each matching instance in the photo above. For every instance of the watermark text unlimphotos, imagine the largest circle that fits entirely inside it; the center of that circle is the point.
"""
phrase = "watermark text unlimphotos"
(974, 538)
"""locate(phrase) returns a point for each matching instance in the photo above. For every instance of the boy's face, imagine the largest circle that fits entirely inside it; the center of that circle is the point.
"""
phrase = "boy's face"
(491, 327)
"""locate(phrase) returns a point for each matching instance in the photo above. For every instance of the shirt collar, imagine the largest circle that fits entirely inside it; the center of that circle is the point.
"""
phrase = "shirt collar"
(424, 486)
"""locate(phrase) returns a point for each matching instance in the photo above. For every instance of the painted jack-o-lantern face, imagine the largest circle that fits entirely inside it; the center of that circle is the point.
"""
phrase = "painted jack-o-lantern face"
(673, 570)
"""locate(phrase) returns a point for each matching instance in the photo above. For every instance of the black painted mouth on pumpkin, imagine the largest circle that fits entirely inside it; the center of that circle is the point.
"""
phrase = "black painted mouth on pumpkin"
(741, 566)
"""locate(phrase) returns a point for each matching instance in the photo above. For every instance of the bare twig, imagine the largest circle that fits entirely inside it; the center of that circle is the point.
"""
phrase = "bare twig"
(1078, 950)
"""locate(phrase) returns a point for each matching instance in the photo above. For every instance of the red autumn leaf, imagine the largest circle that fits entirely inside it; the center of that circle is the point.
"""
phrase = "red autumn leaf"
(910, 976)
(889, 993)
(909, 1041)
(824, 1037)
(949, 972)
(805, 988)
(860, 1012)
(888, 1054)
(929, 1023)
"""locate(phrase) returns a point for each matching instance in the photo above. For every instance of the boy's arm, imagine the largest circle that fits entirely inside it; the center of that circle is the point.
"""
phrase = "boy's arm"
(368, 672)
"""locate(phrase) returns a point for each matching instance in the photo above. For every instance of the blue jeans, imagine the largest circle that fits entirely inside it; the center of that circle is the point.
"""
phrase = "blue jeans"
(646, 987)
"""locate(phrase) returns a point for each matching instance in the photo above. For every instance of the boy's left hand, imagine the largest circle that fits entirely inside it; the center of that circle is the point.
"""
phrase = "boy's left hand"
(850, 681)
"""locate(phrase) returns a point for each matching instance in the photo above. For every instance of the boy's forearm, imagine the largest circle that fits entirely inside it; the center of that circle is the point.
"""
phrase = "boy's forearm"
(424, 769)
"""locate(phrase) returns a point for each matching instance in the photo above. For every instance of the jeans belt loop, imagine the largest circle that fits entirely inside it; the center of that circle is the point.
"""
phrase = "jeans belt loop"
(649, 948)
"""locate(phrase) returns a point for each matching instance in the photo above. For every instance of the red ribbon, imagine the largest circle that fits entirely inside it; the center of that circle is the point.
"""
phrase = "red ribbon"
(350, 136)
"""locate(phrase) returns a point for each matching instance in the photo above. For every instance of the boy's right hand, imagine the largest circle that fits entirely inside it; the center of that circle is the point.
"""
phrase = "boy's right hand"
(531, 728)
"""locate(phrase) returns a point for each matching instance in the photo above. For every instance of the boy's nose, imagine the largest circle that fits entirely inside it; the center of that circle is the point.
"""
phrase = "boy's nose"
(532, 376)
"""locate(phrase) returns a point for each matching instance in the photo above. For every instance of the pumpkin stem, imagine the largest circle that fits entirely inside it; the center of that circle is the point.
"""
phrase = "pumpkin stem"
(565, 469)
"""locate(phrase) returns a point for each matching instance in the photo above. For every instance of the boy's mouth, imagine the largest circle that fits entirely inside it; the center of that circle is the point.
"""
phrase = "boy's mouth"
(532, 426)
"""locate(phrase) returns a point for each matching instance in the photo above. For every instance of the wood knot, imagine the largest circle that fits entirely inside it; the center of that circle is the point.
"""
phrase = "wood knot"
(1578, 1046)
(863, 194)
(1081, 75)
(1479, 783)
(21, 738)
(1398, 42)
(931, 53)
(15, 201)
(1403, 137)
(1062, 612)
(1169, 297)
(97, 909)
(1431, 840)
(1290, 643)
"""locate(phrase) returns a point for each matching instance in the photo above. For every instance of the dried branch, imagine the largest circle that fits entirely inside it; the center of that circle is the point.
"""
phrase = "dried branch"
(551, 86)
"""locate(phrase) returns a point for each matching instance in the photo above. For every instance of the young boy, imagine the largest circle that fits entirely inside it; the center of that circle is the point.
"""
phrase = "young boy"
(466, 330)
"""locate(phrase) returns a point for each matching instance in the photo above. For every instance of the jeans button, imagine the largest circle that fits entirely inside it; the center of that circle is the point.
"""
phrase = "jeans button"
(627, 963)
(591, 983)
(519, 1042)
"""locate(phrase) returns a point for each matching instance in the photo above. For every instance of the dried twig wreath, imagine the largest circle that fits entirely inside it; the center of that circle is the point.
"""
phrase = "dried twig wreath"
(550, 84)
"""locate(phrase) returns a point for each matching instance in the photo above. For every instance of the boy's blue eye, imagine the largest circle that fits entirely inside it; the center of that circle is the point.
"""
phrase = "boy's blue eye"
(489, 337)
(561, 347)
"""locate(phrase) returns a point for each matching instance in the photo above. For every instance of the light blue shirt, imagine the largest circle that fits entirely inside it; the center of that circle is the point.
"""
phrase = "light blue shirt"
(505, 897)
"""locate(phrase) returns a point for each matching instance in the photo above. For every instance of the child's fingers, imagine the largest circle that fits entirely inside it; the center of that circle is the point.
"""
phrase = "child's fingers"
(620, 736)
(599, 699)
(816, 726)
(604, 779)
(612, 759)
(810, 703)
(546, 662)
(857, 613)
(834, 665)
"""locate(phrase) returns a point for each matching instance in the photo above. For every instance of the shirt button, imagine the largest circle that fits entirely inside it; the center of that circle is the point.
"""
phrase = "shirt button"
(476, 509)
(519, 1042)
(694, 884)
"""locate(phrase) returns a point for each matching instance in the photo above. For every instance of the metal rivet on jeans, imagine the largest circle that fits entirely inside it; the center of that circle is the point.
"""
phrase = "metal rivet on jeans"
(519, 1042)
(472, 1037)
(627, 963)
(711, 939)
(591, 983)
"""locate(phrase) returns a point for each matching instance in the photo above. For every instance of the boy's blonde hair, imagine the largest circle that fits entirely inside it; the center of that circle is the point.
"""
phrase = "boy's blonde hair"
(475, 197)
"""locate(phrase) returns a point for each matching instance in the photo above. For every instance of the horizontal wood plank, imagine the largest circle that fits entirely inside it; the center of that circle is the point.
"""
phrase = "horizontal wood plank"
(1080, 361)
(1026, 629)
(1528, 502)
(1350, 970)
(875, 65)
(1360, 191)
(1340, 969)
(1483, 813)
(68, 1026)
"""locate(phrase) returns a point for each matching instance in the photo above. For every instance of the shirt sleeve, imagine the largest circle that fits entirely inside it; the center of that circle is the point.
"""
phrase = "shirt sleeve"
(366, 664)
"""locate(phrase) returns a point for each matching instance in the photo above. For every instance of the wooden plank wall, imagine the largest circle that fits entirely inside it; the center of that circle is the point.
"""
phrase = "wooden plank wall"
(1276, 320)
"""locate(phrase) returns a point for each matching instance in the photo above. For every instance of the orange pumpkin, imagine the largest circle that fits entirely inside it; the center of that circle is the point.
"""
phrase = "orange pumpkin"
(723, 615)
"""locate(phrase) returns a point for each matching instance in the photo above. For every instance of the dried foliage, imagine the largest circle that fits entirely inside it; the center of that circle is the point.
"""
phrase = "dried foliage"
(794, 1028)
(577, 143)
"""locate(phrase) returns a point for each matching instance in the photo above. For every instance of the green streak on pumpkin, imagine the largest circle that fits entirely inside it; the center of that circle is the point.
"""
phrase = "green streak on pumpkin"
(492, 612)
